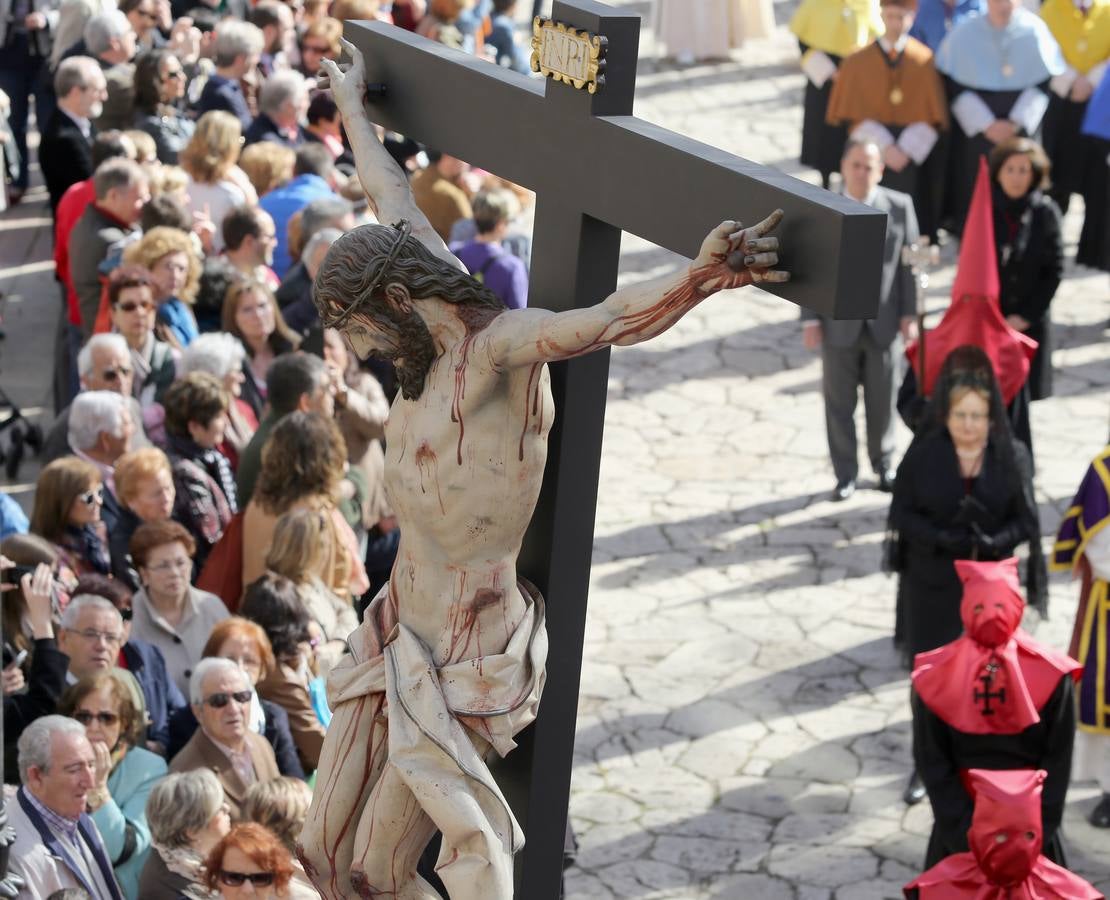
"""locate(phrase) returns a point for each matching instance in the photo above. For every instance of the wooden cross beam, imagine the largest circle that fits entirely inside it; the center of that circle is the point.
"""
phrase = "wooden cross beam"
(597, 170)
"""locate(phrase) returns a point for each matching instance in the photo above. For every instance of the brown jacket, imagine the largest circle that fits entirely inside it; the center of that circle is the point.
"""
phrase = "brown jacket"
(283, 687)
(201, 753)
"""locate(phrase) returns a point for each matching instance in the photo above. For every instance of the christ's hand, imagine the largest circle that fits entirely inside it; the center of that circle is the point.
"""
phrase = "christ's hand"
(732, 256)
(347, 84)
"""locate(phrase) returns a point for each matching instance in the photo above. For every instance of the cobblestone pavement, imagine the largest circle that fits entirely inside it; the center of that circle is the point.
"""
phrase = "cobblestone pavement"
(743, 727)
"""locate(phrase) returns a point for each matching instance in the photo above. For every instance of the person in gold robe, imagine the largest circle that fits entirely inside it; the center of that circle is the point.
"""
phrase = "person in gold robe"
(827, 32)
(890, 93)
(1082, 29)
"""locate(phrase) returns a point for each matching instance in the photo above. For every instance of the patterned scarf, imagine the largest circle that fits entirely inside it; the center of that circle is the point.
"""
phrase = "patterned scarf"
(88, 544)
(212, 461)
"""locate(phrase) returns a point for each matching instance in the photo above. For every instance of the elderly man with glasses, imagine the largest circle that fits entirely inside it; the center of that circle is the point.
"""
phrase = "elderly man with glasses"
(91, 635)
(220, 693)
(104, 364)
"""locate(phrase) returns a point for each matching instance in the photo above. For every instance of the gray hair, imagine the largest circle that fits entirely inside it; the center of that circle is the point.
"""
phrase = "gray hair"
(71, 25)
(106, 340)
(235, 38)
(212, 665)
(182, 802)
(216, 352)
(287, 85)
(117, 173)
(323, 238)
(104, 28)
(36, 744)
(80, 603)
(493, 207)
(93, 412)
(73, 73)
(323, 212)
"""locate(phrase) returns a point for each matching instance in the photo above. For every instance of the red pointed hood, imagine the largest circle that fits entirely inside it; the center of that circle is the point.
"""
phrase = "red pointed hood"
(974, 316)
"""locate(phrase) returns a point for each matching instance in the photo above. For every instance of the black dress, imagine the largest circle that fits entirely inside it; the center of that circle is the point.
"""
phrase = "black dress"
(941, 753)
(1030, 250)
(822, 143)
(931, 497)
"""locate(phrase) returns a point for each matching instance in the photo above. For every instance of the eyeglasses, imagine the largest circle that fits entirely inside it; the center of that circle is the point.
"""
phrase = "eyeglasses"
(90, 498)
(236, 879)
(92, 635)
(118, 372)
(107, 719)
(172, 565)
(315, 48)
(130, 306)
(175, 73)
(222, 699)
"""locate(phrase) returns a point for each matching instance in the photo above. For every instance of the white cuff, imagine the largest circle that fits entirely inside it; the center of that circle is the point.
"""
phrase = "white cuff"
(1061, 84)
(818, 67)
(972, 112)
(870, 130)
(917, 141)
(1029, 109)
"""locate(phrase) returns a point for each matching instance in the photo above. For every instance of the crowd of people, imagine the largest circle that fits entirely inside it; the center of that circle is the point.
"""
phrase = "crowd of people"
(210, 518)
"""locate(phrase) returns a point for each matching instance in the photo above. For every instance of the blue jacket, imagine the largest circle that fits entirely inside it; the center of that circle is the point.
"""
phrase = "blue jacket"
(282, 202)
(122, 819)
(163, 698)
(223, 93)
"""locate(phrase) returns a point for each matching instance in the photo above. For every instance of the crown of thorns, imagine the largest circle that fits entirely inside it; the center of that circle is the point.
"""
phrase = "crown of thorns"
(404, 229)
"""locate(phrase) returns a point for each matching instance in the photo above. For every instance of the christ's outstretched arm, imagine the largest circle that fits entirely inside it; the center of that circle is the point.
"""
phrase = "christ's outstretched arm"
(382, 179)
(730, 257)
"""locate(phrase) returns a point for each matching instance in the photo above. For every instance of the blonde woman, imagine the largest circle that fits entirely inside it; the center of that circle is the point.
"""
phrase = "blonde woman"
(267, 165)
(216, 183)
(304, 549)
(281, 805)
(170, 257)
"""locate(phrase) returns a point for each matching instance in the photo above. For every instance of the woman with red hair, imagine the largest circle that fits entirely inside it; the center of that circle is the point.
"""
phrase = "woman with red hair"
(250, 861)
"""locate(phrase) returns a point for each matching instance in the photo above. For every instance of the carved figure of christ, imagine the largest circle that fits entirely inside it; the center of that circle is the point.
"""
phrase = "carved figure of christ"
(448, 665)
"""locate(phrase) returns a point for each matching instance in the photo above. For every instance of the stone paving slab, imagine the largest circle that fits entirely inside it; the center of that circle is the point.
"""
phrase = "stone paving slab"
(743, 724)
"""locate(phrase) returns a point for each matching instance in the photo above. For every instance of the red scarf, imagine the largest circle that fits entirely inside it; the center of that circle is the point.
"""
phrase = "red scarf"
(1005, 837)
(995, 677)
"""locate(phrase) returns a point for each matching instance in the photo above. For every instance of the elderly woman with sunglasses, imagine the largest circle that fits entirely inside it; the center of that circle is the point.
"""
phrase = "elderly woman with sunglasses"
(250, 862)
(168, 611)
(133, 310)
(68, 498)
(224, 742)
(188, 816)
(110, 706)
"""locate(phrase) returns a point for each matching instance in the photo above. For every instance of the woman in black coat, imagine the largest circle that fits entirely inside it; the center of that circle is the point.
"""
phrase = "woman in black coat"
(964, 491)
(159, 91)
(1030, 248)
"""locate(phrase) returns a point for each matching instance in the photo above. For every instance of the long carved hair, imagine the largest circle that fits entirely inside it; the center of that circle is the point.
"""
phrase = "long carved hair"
(352, 265)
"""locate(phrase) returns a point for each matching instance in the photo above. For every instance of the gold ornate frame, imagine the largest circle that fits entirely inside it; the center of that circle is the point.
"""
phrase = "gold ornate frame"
(594, 45)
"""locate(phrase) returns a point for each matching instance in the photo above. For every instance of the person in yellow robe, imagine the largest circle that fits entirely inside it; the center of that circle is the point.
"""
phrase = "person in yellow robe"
(1082, 29)
(827, 32)
(890, 93)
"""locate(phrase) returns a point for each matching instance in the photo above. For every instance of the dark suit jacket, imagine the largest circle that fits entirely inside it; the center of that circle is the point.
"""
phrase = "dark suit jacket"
(64, 155)
(222, 93)
(90, 242)
(264, 129)
(163, 698)
(46, 680)
(201, 753)
(897, 293)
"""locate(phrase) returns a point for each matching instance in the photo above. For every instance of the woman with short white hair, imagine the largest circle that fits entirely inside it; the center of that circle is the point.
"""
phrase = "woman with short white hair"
(221, 354)
(188, 815)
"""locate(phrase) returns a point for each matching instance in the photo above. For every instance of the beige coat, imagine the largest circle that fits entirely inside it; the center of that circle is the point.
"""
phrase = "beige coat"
(201, 753)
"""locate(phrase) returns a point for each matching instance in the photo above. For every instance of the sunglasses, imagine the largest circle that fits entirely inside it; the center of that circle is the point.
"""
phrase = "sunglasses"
(236, 879)
(106, 719)
(127, 614)
(219, 701)
(176, 73)
(89, 498)
(113, 374)
(131, 306)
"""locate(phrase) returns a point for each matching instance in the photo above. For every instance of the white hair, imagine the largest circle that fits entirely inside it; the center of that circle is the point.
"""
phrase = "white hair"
(72, 17)
(80, 603)
(216, 352)
(93, 412)
(104, 28)
(212, 665)
(180, 803)
(235, 38)
(325, 237)
(36, 744)
(280, 88)
(107, 340)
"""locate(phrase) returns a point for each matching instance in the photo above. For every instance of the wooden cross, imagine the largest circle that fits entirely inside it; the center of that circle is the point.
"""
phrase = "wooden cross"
(597, 170)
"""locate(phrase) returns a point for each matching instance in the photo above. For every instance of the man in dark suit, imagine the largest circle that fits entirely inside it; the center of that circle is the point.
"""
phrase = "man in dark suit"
(224, 743)
(65, 152)
(238, 48)
(282, 104)
(867, 353)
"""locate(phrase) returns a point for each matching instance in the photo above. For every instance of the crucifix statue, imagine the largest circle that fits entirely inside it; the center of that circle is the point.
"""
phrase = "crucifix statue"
(492, 456)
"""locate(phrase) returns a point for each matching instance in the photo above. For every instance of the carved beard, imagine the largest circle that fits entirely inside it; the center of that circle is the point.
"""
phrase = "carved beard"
(414, 345)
